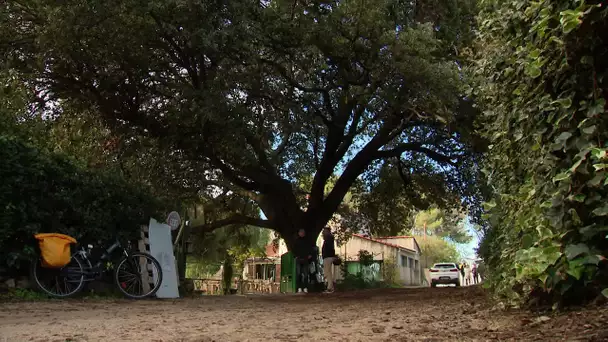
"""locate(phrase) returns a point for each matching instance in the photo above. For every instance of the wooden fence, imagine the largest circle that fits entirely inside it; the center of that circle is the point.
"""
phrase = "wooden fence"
(214, 286)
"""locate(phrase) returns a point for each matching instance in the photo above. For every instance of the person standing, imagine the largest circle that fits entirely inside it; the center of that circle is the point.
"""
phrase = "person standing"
(481, 268)
(303, 251)
(467, 274)
(474, 273)
(328, 252)
(462, 270)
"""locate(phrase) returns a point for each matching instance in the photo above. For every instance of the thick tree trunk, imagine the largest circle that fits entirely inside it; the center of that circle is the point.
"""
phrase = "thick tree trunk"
(291, 235)
(227, 275)
(282, 209)
(287, 218)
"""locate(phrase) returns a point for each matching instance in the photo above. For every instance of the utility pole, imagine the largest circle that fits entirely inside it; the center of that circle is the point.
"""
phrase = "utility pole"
(426, 255)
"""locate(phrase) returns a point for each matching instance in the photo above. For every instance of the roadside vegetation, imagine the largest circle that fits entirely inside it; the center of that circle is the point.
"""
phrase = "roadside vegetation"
(386, 117)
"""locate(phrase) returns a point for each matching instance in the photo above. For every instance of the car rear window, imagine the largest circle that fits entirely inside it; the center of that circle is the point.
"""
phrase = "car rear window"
(445, 266)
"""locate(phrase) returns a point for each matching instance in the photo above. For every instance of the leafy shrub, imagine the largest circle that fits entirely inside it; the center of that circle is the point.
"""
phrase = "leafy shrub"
(390, 272)
(543, 85)
(45, 192)
(359, 280)
(365, 258)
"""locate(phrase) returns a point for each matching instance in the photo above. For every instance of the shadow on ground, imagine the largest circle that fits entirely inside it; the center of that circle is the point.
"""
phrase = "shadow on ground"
(424, 314)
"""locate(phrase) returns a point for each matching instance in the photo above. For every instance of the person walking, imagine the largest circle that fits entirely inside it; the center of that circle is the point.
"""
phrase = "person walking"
(474, 273)
(303, 251)
(328, 252)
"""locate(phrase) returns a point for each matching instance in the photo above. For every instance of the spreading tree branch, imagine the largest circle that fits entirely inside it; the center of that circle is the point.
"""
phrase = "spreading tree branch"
(179, 55)
(352, 132)
(236, 219)
(416, 147)
(260, 153)
(405, 178)
(354, 168)
(231, 174)
(229, 187)
(326, 96)
(285, 140)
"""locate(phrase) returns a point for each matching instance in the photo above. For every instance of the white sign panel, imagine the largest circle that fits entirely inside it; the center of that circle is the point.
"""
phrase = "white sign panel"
(162, 249)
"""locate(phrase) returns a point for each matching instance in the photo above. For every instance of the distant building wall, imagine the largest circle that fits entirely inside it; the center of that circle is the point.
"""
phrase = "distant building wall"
(403, 251)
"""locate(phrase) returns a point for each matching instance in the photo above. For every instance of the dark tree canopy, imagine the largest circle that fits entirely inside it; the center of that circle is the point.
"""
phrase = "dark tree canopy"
(248, 97)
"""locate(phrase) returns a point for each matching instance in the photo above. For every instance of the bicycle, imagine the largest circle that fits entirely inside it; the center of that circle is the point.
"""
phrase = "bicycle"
(70, 279)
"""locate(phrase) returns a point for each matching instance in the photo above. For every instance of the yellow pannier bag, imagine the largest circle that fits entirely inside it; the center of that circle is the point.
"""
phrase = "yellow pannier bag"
(55, 249)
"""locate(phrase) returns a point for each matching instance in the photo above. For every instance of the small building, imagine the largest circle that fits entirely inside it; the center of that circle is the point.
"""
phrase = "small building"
(266, 268)
(409, 258)
(402, 251)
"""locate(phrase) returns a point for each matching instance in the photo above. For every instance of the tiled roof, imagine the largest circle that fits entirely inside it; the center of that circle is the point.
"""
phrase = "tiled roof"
(378, 241)
(401, 237)
(388, 243)
(396, 237)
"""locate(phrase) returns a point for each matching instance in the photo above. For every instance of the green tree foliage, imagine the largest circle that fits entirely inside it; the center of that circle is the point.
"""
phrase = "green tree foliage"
(233, 243)
(249, 245)
(389, 198)
(16, 119)
(47, 192)
(259, 94)
(543, 72)
(445, 230)
(445, 224)
(83, 136)
(81, 133)
(436, 249)
(91, 145)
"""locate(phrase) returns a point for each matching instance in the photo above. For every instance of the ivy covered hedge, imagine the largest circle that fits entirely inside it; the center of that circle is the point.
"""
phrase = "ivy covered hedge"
(46, 192)
(543, 83)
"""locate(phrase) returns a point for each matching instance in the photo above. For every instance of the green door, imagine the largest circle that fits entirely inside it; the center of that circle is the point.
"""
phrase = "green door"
(353, 267)
(288, 273)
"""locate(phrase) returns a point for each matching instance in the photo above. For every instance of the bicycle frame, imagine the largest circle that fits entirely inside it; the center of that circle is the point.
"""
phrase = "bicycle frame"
(96, 270)
(128, 273)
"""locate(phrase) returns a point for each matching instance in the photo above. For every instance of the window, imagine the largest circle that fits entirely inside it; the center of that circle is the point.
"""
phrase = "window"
(403, 261)
(265, 271)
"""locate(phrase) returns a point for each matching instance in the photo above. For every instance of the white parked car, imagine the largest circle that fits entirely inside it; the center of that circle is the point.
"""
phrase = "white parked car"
(445, 273)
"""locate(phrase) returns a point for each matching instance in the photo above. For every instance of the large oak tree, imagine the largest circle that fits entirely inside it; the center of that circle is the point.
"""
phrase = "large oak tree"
(250, 96)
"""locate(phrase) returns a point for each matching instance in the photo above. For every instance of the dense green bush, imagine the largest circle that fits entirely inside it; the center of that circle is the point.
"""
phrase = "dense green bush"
(359, 281)
(543, 81)
(45, 192)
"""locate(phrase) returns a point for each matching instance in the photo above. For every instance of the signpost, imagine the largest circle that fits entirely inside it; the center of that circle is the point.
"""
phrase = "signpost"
(173, 220)
(161, 248)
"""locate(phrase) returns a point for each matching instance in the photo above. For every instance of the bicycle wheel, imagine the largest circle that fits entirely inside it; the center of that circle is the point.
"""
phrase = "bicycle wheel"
(58, 282)
(138, 275)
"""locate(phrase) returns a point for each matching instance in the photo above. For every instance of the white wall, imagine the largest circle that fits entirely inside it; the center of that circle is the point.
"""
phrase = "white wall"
(409, 268)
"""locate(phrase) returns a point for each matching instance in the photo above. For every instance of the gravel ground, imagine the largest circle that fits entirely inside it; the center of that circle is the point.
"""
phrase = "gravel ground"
(424, 314)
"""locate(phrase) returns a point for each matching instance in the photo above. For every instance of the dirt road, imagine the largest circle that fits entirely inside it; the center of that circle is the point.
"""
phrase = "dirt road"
(442, 314)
